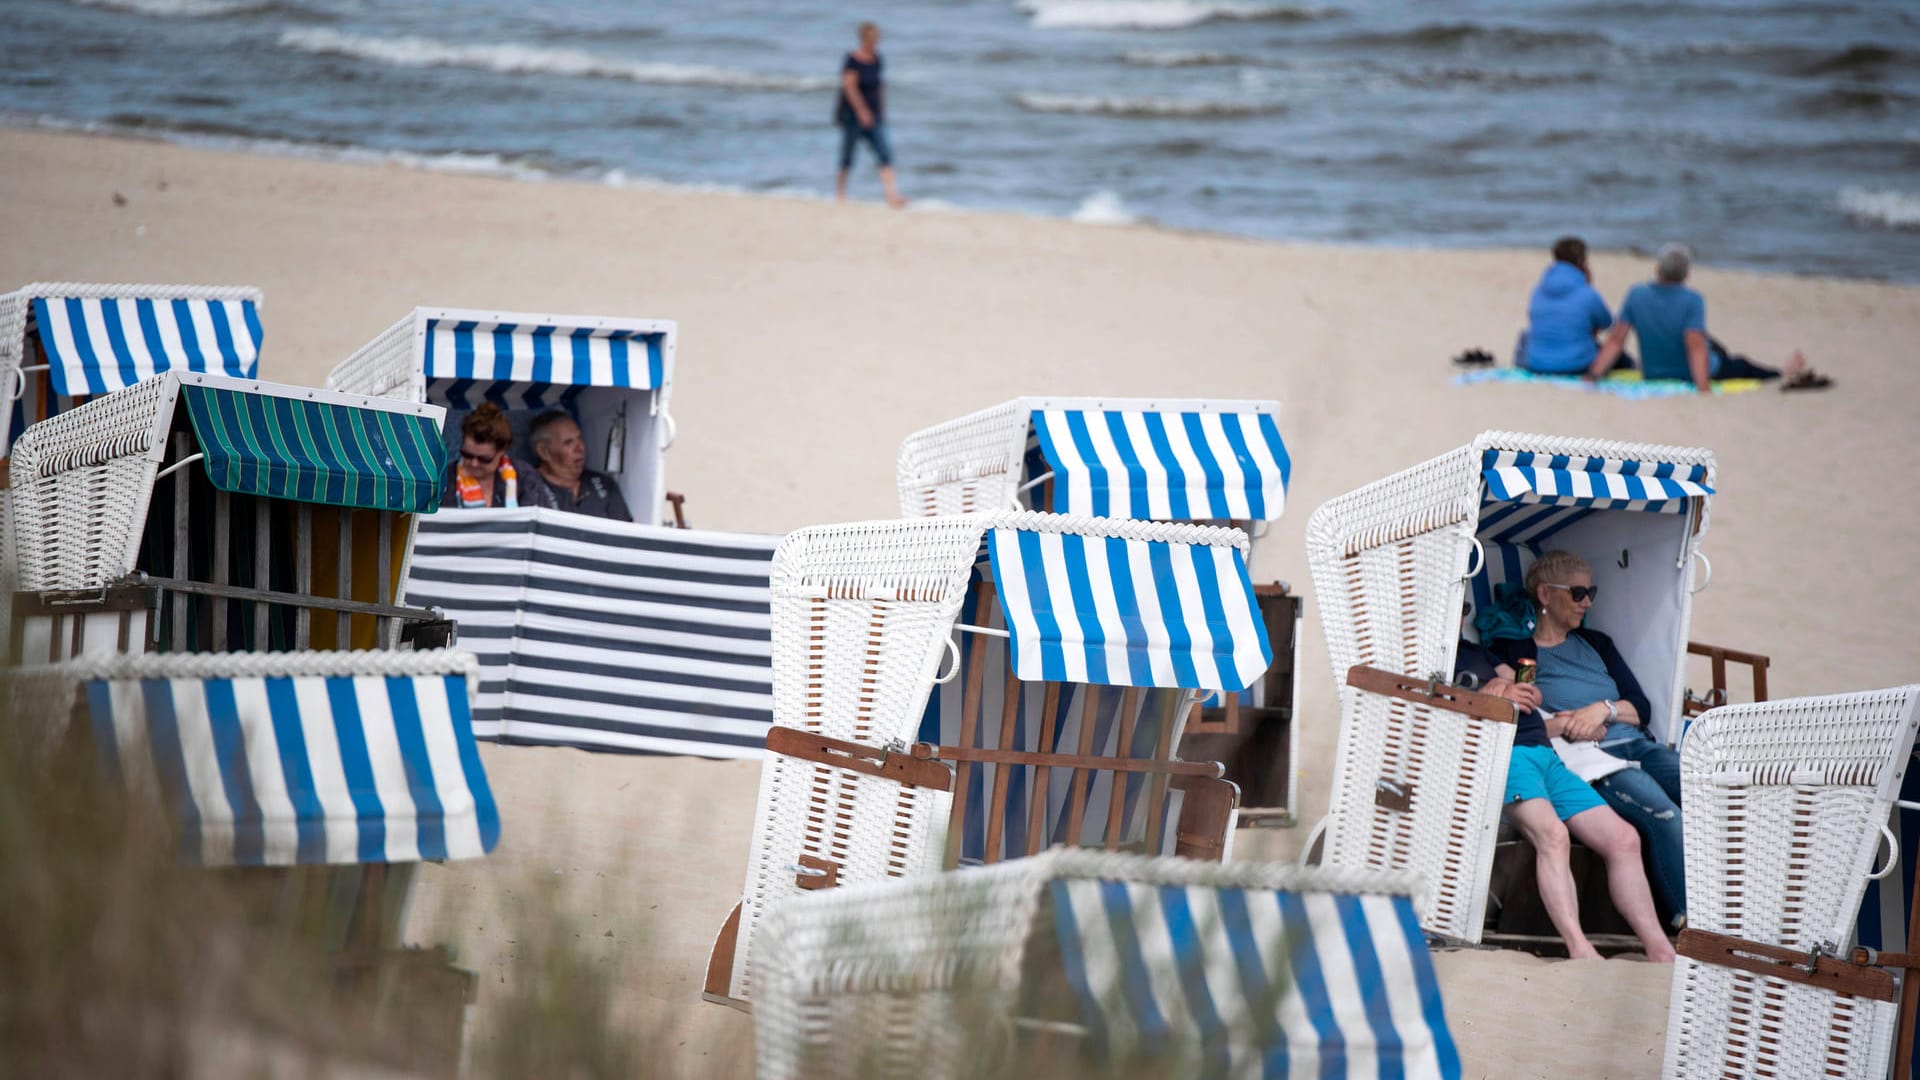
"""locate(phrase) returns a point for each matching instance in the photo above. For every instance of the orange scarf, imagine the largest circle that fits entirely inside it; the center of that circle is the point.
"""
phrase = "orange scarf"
(471, 496)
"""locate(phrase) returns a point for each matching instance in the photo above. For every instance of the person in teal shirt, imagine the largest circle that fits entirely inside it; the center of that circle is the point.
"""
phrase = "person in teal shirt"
(1670, 320)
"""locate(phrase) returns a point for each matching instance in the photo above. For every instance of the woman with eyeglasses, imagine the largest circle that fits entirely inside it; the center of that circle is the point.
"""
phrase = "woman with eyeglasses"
(1590, 695)
(484, 475)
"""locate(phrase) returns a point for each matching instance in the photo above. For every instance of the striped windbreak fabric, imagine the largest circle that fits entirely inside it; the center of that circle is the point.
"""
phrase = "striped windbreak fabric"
(483, 352)
(1126, 612)
(318, 452)
(1164, 466)
(97, 346)
(1230, 982)
(279, 771)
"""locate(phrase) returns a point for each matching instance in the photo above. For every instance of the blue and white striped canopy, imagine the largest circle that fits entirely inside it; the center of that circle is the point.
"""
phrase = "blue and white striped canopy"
(1119, 612)
(1164, 466)
(461, 395)
(1597, 483)
(99, 346)
(1250, 982)
(536, 353)
(278, 771)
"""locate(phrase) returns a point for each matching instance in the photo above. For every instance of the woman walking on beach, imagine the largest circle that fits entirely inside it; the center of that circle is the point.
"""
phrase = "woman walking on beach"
(861, 113)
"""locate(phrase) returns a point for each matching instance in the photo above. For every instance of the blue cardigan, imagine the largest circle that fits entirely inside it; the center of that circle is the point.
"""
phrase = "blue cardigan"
(1511, 649)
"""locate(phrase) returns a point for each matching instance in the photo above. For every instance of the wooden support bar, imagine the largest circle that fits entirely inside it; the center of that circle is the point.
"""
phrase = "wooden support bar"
(343, 584)
(383, 585)
(915, 768)
(262, 571)
(1909, 994)
(54, 630)
(1116, 806)
(1829, 973)
(323, 603)
(1077, 798)
(1162, 751)
(303, 576)
(1037, 806)
(997, 806)
(970, 707)
(222, 555)
(79, 639)
(181, 606)
(1426, 692)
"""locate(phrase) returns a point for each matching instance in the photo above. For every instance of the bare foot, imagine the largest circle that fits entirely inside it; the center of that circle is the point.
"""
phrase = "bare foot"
(1796, 364)
(897, 203)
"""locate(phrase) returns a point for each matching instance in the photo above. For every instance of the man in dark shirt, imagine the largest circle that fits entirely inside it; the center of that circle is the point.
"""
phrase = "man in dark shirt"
(1548, 803)
(562, 461)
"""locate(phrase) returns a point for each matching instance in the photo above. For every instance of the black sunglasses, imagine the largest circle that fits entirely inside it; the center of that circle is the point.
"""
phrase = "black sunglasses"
(479, 459)
(1578, 592)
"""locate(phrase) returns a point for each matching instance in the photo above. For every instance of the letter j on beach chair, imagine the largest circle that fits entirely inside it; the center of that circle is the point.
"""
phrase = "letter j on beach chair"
(1124, 962)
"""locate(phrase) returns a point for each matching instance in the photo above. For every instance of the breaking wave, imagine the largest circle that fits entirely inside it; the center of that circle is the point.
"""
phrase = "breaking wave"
(1158, 14)
(182, 9)
(1179, 58)
(1889, 209)
(1147, 108)
(533, 60)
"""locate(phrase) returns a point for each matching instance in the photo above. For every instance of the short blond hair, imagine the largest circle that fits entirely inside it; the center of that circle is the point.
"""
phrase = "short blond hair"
(866, 28)
(1554, 568)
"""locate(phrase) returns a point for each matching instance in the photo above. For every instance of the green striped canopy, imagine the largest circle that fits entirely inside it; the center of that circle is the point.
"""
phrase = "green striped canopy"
(317, 451)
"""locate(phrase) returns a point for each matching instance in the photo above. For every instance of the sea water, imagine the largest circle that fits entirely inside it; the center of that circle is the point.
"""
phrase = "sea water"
(1774, 134)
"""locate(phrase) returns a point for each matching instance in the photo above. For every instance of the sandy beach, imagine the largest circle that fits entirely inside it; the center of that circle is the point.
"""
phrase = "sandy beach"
(815, 336)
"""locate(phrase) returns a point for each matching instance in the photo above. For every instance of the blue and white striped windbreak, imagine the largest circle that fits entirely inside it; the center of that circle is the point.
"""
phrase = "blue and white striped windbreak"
(1253, 982)
(99, 346)
(1529, 497)
(277, 771)
(1120, 612)
(1165, 466)
(544, 353)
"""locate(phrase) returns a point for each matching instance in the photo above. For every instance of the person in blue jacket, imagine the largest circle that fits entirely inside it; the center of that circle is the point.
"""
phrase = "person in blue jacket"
(1564, 315)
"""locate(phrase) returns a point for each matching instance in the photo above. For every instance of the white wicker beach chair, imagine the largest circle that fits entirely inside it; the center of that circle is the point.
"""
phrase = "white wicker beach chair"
(864, 618)
(1141, 458)
(1392, 564)
(613, 375)
(1184, 967)
(1152, 460)
(63, 340)
(158, 514)
(1787, 807)
(283, 759)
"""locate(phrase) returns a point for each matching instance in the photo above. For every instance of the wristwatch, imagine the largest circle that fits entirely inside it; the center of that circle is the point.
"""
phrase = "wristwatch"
(1613, 712)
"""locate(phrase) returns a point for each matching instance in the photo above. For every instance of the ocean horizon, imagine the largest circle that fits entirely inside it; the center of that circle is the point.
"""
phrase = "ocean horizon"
(1782, 136)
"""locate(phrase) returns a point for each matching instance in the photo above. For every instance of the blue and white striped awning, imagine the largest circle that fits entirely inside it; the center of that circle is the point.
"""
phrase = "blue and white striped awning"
(1121, 612)
(461, 395)
(1222, 981)
(98, 346)
(277, 771)
(1595, 483)
(544, 353)
(1164, 466)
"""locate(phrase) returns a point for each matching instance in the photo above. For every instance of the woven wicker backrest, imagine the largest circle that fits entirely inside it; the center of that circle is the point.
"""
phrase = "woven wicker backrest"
(1785, 802)
(383, 367)
(81, 483)
(965, 466)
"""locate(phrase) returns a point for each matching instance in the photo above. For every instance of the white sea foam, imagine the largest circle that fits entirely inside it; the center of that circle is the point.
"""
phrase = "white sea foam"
(535, 60)
(1152, 14)
(180, 9)
(1178, 58)
(1104, 208)
(1892, 209)
(1142, 108)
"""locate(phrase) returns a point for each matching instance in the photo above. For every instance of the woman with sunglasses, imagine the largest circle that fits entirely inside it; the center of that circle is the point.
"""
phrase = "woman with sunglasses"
(484, 475)
(1590, 695)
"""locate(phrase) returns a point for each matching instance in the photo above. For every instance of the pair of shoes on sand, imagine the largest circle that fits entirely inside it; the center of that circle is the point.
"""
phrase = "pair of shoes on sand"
(1474, 358)
(1807, 379)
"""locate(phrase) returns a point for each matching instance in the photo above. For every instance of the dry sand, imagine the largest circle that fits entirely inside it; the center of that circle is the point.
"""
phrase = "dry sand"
(814, 336)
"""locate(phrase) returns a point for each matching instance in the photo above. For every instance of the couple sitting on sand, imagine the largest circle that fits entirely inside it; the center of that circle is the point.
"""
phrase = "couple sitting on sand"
(1566, 317)
(1583, 693)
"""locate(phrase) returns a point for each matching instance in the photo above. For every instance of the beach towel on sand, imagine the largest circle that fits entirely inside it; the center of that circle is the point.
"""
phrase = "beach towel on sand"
(1626, 384)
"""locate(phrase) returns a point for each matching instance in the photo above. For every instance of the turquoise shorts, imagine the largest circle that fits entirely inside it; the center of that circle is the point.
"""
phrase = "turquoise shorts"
(1536, 772)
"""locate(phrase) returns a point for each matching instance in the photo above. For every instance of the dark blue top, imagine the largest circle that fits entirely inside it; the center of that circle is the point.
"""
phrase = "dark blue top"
(1562, 317)
(1474, 660)
(1661, 315)
(1616, 665)
(868, 77)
